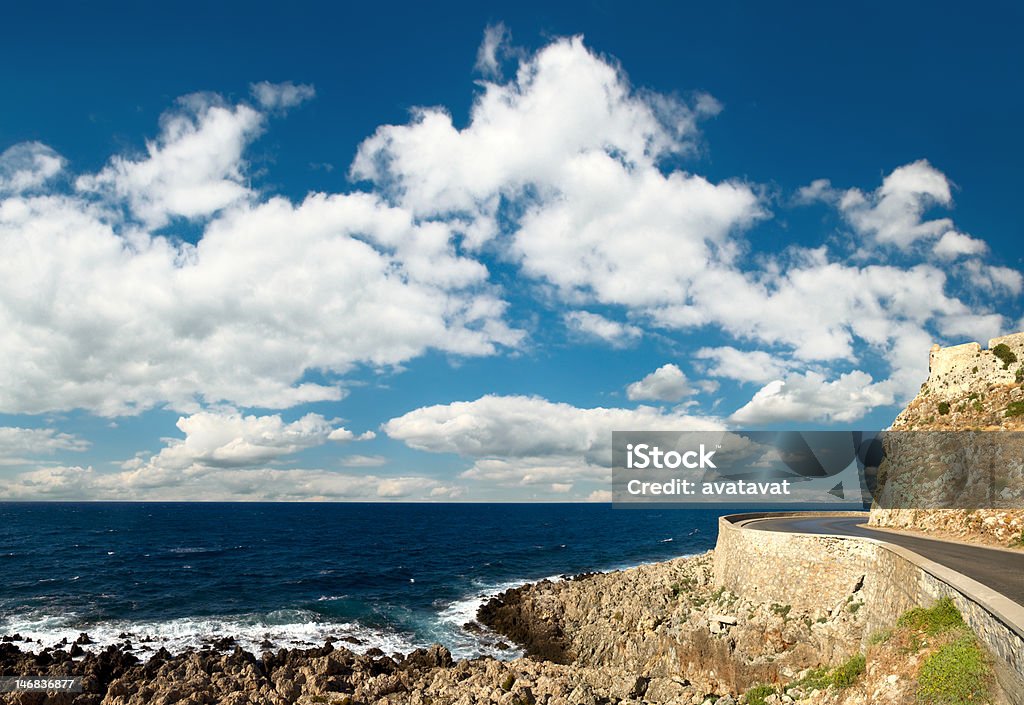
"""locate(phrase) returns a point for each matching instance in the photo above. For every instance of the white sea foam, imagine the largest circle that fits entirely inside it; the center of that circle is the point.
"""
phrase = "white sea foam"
(481, 641)
(283, 629)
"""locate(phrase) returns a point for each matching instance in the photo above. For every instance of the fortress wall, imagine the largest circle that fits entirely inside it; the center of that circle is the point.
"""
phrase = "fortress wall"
(959, 369)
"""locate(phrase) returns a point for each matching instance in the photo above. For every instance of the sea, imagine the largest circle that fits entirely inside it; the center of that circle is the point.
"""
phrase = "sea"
(390, 576)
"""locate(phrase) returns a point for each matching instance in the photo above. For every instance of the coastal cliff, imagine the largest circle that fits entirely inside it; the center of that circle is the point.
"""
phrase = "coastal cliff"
(960, 484)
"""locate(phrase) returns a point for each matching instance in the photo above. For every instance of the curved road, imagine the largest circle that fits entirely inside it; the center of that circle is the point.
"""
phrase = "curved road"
(1003, 571)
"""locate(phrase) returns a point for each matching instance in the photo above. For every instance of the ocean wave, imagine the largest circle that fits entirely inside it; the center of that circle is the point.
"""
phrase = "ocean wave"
(478, 640)
(254, 632)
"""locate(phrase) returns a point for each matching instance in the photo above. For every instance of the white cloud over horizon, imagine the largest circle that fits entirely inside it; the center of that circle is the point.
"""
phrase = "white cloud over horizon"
(519, 441)
(230, 439)
(221, 484)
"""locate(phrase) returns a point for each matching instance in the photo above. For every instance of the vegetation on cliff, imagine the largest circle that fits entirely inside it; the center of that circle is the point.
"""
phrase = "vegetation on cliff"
(929, 658)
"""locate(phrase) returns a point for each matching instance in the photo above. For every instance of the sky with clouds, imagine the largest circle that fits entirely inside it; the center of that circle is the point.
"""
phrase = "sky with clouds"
(323, 253)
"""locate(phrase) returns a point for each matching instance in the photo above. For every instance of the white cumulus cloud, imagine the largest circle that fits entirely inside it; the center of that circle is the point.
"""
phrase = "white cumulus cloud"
(193, 169)
(810, 397)
(215, 439)
(667, 383)
(99, 312)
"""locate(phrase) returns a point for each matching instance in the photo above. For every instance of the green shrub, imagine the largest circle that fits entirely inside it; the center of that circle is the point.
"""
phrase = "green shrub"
(1019, 375)
(816, 679)
(842, 676)
(943, 407)
(939, 617)
(1014, 408)
(1003, 352)
(759, 694)
(846, 675)
(956, 674)
(781, 610)
(978, 406)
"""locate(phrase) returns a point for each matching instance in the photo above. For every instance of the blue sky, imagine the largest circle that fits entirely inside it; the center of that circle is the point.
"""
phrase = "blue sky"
(322, 252)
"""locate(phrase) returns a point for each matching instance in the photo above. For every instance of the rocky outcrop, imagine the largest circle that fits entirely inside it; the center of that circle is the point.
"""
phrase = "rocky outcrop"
(669, 621)
(947, 474)
(322, 675)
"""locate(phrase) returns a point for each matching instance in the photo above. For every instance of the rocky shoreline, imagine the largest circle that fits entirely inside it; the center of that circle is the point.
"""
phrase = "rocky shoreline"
(658, 633)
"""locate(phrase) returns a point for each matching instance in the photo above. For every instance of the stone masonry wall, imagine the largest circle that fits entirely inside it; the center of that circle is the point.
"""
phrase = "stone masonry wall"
(807, 572)
(821, 572)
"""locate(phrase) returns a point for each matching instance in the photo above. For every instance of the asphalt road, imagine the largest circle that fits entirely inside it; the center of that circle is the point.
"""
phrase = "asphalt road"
(1003, 571)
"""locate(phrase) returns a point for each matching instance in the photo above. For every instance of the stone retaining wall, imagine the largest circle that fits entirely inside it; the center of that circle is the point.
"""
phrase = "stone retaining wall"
(821, 572)
(808, 572)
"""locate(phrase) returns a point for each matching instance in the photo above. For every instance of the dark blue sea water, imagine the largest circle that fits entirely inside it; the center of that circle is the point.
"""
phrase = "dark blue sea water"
(394, 576)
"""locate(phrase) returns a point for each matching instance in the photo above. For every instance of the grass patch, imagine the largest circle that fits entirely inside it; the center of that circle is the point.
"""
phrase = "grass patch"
(880, 637)
(941, 616)
(781, 610)
(956, 674)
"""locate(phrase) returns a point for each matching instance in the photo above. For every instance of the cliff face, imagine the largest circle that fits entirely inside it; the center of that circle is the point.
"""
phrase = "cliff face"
(683, 628)
(947, 475)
